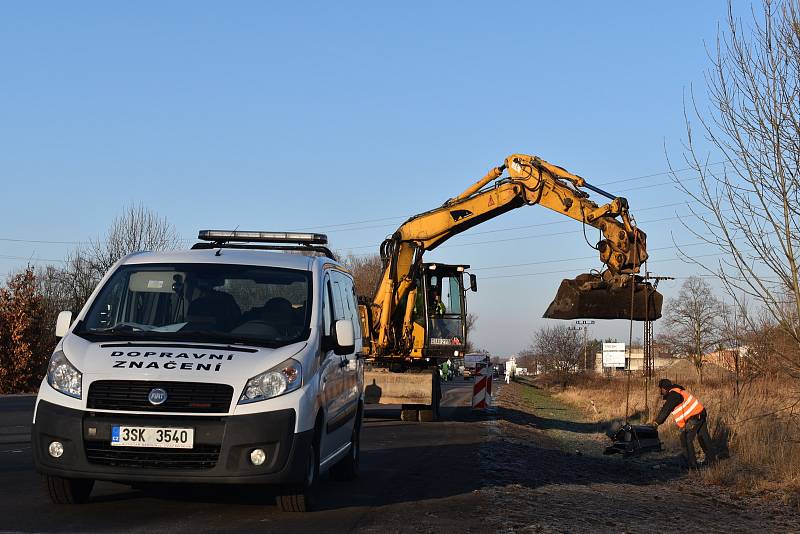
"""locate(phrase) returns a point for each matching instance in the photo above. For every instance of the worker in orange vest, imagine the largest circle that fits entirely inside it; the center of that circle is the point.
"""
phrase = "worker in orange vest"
(690, 416)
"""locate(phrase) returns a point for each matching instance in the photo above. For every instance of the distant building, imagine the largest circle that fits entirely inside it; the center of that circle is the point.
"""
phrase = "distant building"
(634, 359)
(727, 358)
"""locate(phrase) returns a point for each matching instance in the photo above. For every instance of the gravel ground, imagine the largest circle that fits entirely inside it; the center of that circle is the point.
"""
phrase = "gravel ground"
(545, 472)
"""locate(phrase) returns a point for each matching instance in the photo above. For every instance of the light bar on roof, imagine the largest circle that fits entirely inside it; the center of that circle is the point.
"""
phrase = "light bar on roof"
(242, 236)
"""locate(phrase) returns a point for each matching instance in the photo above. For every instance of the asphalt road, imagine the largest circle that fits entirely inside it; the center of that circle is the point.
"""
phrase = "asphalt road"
(412, 474)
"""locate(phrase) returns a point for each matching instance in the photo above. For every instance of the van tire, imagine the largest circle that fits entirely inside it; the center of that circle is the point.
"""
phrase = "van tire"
(346, 469)
(68, 490)
(407, 414)
(300, 497)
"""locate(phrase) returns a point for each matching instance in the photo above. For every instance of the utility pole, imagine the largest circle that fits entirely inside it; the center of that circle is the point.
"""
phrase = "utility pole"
(575, 329)
(585, 325)
(649, 357)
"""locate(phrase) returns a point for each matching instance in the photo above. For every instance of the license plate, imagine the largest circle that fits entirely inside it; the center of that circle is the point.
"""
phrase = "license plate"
(147, 436)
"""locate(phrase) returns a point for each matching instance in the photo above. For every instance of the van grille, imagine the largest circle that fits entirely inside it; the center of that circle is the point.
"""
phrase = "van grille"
(131, 395)
(200, 457)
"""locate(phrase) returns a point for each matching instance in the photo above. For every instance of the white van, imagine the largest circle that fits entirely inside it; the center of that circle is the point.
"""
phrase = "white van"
(236, 362)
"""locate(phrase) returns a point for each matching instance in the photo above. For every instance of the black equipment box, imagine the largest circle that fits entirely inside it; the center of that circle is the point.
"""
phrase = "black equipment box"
(633, 439)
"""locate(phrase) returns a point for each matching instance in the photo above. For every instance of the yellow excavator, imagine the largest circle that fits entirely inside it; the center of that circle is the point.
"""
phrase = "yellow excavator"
(417, 315)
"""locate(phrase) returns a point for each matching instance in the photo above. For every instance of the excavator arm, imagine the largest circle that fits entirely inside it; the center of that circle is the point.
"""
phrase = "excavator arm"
(530, 181)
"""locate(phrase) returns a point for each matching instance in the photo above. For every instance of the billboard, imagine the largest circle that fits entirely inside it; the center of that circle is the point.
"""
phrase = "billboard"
(613, 354)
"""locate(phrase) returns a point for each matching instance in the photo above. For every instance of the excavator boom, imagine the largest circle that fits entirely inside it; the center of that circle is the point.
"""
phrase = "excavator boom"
(614, 293)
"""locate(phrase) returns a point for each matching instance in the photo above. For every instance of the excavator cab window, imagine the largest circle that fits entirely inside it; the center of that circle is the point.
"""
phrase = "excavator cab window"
(452, 294)
(443, 289)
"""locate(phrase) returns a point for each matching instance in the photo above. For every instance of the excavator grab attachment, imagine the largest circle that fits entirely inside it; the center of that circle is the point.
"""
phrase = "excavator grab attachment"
(591, 296)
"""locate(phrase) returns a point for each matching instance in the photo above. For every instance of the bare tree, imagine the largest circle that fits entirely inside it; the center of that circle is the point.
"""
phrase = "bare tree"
(69, 287)
(530, 359)
(749, 200)
(693, 320)
(31, 299)
(559, 348)
(469, 325)
(367, 271)
(138, 228)
(77, 281)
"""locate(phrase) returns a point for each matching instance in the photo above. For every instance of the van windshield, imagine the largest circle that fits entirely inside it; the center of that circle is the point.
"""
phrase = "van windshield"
(202, 302)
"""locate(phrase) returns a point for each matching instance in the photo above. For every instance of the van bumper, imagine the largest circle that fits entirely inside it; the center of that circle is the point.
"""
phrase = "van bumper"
(221, 452)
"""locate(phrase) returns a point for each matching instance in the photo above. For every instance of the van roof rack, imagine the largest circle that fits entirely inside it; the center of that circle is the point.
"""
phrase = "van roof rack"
(241, 239)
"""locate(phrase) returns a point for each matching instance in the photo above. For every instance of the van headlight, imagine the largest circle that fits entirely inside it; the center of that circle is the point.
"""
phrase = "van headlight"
(62, 375)
(283, 378)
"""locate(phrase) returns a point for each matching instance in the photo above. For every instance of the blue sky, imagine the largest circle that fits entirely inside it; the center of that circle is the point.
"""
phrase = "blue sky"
(316, 115)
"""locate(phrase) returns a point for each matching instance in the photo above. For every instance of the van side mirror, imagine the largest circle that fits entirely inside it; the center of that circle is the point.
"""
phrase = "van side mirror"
(63, 322)
(473, 282)
(345, 337)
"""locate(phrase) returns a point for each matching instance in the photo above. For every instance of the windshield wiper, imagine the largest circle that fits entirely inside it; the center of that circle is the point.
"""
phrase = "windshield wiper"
(222, 337)
(124, 331)
(121, 327)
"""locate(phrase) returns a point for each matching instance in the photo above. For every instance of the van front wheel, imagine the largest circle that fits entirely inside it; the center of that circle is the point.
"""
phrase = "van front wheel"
(300, 498)
(68, 490)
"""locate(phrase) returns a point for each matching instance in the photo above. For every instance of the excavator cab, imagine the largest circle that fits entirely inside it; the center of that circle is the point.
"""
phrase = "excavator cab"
(441, 308)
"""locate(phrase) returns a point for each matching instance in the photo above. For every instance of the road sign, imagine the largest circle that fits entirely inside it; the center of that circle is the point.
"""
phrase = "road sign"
(481, 389)
(613, 354)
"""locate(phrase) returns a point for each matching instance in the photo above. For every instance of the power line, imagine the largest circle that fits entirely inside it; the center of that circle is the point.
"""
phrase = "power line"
(663, 173)
(48, 242)
(505, 229)
(541, 262)
(340, 227)
(519, 275)
(565, 221)
(356, 222)
(533, 236)
(399, 218)
(522, 227)
(602, 184)
(27, 258)
(476, 243)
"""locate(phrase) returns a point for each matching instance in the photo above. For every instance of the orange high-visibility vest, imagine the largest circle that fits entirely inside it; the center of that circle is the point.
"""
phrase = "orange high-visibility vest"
(688, 408)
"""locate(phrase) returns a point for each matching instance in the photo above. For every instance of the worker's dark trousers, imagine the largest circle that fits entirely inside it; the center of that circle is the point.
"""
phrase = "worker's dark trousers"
(697, 427)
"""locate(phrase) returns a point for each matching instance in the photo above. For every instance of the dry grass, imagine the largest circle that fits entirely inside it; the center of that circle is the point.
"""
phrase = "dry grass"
(759, 428)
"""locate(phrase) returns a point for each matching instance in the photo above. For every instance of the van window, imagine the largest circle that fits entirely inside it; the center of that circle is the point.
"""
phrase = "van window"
(345, 300)
(326, 308)
(339, 308)
(354, 305)
(225, 303)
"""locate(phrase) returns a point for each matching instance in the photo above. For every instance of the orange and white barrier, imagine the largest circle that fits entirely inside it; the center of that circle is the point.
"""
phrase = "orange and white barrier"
(482, 389)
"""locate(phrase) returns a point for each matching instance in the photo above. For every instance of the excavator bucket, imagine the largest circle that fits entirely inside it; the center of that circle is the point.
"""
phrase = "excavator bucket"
(590, 297)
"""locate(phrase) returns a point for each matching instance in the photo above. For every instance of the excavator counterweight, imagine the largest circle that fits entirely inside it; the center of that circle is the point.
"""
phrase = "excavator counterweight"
(589, 296)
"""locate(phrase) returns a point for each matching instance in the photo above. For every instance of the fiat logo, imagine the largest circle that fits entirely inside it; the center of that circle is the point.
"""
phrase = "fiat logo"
(157, 396)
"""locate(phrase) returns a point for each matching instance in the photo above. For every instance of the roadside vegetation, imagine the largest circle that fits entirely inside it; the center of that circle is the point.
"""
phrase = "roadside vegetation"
(738, 350)
(756, 430)
(31, 298)
(745, 377)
